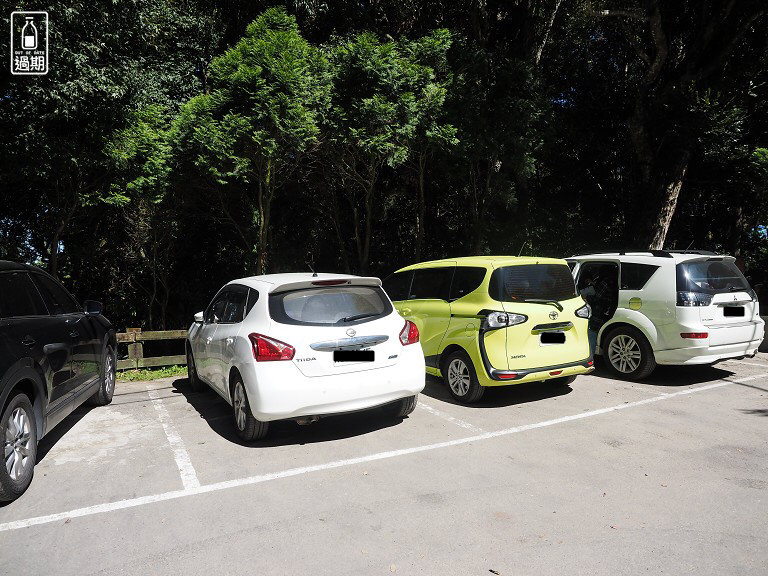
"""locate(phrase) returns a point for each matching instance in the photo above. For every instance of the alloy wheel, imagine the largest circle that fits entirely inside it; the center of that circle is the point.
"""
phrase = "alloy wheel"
(18, 443)
(624, 353)
(109, 375)
(239, 405)
(458, 377)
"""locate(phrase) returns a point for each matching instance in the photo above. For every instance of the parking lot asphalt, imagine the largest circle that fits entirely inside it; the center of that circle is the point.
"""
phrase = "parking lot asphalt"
(604, 477)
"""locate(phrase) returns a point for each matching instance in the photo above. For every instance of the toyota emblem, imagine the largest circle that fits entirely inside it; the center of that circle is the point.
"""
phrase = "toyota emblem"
(553, 315)
(351, 332)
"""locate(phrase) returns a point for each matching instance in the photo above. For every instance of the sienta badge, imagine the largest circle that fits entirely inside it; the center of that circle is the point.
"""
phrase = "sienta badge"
(29, 43)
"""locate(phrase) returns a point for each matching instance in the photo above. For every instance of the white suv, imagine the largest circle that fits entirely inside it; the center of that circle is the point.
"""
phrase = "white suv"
(301, 346)
(667, 307)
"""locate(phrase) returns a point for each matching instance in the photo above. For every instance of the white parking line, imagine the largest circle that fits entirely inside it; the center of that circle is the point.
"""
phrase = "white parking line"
(449, 418)
(227, 484)
(187, 471)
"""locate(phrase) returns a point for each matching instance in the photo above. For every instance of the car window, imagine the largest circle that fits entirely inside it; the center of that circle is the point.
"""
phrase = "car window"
(397, 285)
(339, 305)
(431, 284)
(635, 276)
(466, 279)
(58, 300)
(710, 277)
(19, 296)
(215, 311)
(234, 309)
(532, 281)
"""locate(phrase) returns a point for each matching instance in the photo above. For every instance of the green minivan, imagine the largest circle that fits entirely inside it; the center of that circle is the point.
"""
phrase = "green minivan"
(495, 320)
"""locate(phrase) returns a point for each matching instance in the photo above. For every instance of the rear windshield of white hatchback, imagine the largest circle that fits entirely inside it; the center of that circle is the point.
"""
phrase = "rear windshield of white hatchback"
(710, 277)
(336, 306)
(550, 282)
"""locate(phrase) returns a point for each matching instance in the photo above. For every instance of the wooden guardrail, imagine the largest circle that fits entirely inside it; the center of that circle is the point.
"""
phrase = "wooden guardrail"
(135, 339)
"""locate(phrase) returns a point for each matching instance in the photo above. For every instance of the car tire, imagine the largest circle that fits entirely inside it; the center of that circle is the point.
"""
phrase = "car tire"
(460, 378)
(628, 354)
(194, 380)
(107, 377)
(248, 428)
(20, 455)
(562, 381)
(402, 407)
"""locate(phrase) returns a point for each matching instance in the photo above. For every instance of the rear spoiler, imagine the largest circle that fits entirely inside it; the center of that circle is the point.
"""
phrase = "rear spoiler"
(326, 282)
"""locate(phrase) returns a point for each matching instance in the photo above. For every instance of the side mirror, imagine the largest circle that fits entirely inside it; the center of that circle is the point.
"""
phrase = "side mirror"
(199, 318)
(92, 308)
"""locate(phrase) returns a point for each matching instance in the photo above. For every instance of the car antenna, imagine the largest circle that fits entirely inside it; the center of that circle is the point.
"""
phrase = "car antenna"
(310, 264)
(522, 248)
(689, 245)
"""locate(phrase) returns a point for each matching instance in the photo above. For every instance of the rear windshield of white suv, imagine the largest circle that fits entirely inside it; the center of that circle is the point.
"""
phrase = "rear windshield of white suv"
(710, 277)
(332, 306)
(550, 282)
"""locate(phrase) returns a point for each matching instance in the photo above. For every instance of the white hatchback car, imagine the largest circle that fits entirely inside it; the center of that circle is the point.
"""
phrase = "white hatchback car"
(301, 346)
(667, 307)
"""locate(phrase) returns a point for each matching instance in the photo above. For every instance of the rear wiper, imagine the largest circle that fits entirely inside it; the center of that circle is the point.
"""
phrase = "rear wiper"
(543, 301)
(357, 317)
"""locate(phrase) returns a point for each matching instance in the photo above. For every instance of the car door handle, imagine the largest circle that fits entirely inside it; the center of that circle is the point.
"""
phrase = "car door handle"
(29, 341)
(74, 334)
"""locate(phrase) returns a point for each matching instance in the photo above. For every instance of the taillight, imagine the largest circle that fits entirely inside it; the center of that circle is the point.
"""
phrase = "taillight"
(695, 335)
(693, 299)
(267, 349)
(409, 334)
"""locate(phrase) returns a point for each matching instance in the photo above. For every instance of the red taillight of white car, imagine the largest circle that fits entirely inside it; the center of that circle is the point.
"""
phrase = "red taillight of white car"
(694, 335)
(409, 334)
(266, 349)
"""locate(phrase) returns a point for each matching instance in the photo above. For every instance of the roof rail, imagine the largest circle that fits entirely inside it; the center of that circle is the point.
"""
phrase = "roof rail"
(702, 252)
(659, 253)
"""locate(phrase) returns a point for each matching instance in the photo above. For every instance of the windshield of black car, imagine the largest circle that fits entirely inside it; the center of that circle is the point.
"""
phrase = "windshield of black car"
(331, 306)
(710, 277)
(548, 282)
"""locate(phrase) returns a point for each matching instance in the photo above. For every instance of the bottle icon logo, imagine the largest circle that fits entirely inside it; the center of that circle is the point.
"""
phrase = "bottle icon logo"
(29, 43)
(29, 34)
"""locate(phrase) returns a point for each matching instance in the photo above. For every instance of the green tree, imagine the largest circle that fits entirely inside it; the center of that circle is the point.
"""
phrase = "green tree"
(373, 121)
(266, 97)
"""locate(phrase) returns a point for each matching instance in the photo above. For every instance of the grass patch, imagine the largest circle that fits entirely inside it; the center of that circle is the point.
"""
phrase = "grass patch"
(151, 373)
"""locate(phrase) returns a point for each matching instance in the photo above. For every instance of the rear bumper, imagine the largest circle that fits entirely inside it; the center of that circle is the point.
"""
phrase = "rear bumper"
(706, 354)
(506, 377)
(278, 390)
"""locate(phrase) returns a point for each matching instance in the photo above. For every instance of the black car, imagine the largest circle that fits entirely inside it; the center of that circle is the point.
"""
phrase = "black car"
(54, 355)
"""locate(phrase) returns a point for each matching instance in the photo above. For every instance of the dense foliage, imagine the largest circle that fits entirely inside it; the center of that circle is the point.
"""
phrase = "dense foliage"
(175, 145)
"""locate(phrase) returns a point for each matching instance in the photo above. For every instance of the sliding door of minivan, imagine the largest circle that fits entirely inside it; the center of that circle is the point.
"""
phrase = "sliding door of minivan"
(428, 306)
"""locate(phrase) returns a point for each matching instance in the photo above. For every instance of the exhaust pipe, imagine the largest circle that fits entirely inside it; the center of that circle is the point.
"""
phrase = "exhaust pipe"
(307, 420)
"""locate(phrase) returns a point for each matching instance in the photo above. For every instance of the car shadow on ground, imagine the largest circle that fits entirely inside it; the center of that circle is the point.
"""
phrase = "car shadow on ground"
(498, 396)
(672, 376)
(218, 415)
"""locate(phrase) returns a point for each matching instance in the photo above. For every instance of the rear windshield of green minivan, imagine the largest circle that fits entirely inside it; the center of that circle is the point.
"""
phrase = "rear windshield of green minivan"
(532, 282)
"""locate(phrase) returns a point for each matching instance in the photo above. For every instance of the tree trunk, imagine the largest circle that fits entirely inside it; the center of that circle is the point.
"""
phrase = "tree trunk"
(422, 208)
(53, 263)
(265, 206)
(365, 256)
(669, 191)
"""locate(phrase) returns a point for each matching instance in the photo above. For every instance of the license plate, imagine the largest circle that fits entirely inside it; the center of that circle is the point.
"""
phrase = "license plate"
(552, 337)
(733, 311)
(353, 355)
